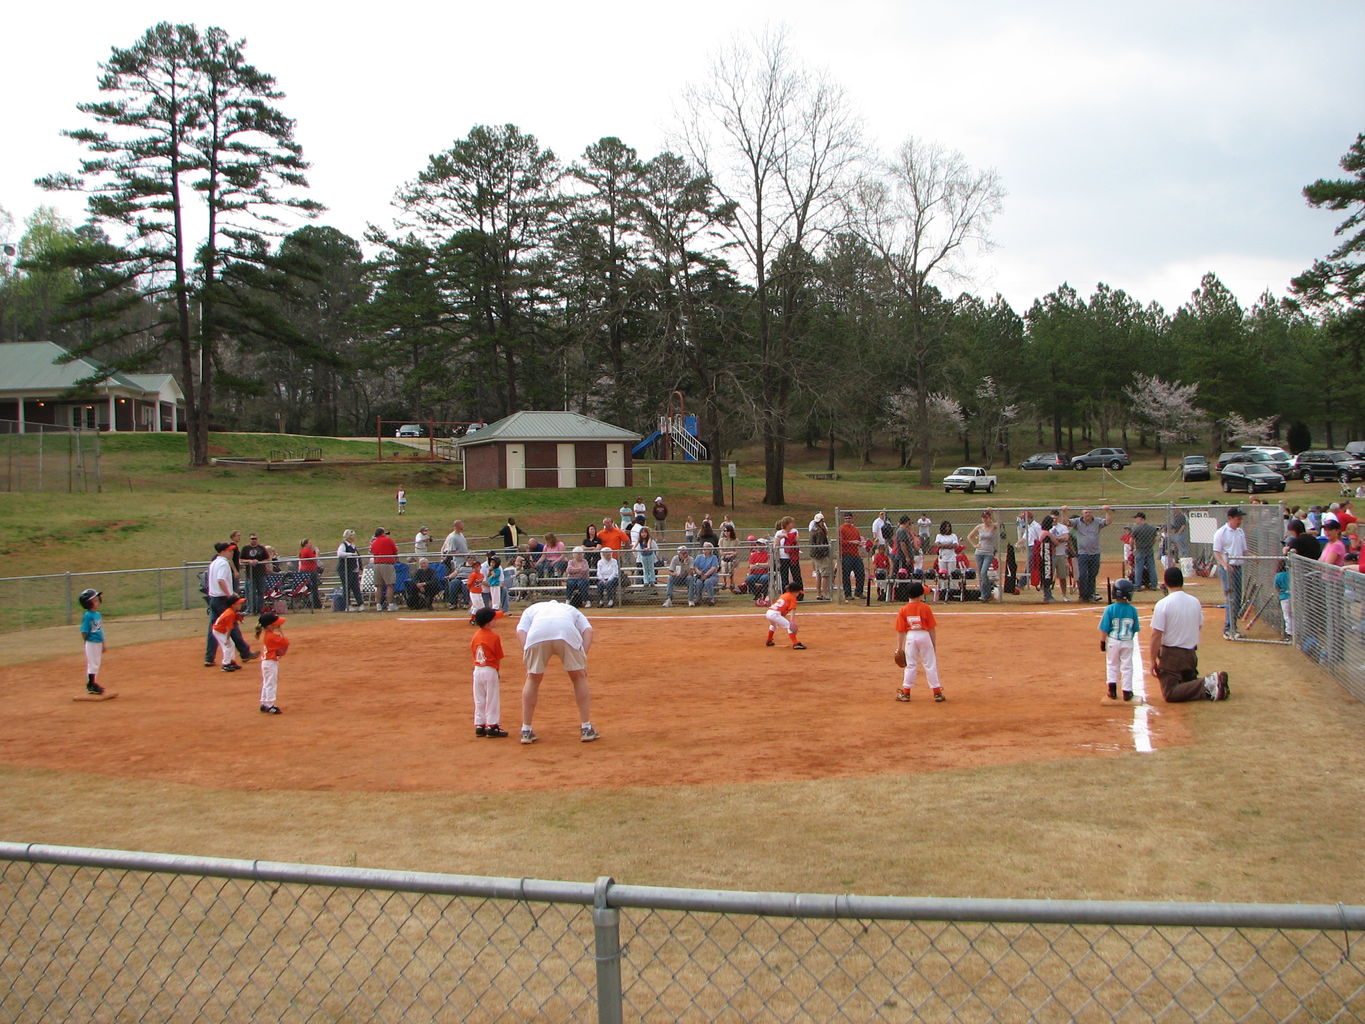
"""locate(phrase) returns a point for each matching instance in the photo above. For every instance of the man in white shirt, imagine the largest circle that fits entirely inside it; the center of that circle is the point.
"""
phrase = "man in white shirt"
(221, 589)
(1229, 549)
(421, 543)
(1175, 644)
(551, 628)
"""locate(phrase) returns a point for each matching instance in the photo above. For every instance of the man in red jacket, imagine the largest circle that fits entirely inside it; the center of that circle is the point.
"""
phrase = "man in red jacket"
(383, 557)
(851, 556)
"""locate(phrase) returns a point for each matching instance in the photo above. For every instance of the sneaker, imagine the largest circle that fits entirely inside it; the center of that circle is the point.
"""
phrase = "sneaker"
(668, 603)
(1211, 686)
(393, 607)
(250, 656)
(479, 730)
(587, 734)
(208, 663)
(94, 689)
(1113, 691)
(798, 646)
(493, 732)
(938, 697)
(691, 604)
(770, 643)
(1224, 690)
(528, 737)
(234, 667)
(1127, 695)
(270, 709)
(903, 696)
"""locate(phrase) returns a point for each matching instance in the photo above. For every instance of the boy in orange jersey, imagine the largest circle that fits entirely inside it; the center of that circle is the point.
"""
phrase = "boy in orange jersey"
(474, 584)
(917, 639)
(486, 648)
(782, 613)
(223, 626)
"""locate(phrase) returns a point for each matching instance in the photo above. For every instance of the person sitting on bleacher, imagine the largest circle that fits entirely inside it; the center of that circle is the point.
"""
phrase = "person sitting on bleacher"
(422, 587)
(679, 574)
(577, 590)
(756, 583)
(608, 577)
(705, 571)
(457, 586)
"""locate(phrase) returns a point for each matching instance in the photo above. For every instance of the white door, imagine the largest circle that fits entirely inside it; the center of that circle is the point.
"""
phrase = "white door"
(616, 465)
(516, 467)
(568, 471)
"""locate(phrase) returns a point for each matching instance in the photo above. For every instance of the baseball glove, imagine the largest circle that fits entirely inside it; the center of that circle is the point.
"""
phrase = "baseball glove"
(899, 658)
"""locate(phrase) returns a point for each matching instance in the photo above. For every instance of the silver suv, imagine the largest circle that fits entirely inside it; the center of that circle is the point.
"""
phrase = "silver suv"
(1113, 458)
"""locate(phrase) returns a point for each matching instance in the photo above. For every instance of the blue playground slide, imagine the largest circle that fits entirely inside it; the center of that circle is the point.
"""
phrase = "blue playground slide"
(689, 424)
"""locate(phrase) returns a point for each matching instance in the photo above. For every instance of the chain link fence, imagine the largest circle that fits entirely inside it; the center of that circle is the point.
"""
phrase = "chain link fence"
(109, 935)
(43, 457)
(1327, 619)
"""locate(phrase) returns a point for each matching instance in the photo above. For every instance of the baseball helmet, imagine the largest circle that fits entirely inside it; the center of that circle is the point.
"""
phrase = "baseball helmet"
(86, 597)
(1123, 589)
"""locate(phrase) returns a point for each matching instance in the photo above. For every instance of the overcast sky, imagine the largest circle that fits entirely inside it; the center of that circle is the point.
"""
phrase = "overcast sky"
(1141, 145)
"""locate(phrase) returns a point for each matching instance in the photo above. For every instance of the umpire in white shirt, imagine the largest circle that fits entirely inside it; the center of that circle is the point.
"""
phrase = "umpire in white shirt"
(1230, 548)
(222, 592)
(1175, 645)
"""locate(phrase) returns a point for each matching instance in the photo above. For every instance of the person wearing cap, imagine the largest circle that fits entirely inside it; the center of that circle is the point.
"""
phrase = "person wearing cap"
(421, 543)
(660, 516)
(822, 564)
(256, 558)
(851, 558)
(1301, 542)
(756, 583)
(1144, 536)
(276, 646)
(679, 573)
(1229, 550)
(223, 627)
(1333, 548)
(1087, 527)
(92, 635)
(383, 558)
(221, 591)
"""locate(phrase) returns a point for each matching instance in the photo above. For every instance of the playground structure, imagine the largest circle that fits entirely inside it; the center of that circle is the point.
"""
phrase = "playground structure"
(676, 436)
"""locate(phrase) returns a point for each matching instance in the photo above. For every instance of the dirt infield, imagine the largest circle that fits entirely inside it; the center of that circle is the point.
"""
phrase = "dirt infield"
(384, 706)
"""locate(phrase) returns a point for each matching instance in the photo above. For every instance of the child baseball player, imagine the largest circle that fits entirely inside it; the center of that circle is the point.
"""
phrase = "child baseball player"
(486, 648)
(494, 582)
(782, 613)
(92, 632)
(474, 584)
(916, 644)
(1119, 626)
(276, 646)
(1282, 592)
(223, 626)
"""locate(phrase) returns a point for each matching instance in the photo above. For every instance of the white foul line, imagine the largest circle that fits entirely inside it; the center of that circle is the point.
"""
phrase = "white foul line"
(1142, 737)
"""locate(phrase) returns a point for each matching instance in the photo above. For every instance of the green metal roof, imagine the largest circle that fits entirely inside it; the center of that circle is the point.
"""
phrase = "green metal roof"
(32, 366)
(530, 425)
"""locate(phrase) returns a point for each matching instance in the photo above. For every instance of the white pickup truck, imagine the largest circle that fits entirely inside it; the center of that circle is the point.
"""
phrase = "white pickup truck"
(969, 479)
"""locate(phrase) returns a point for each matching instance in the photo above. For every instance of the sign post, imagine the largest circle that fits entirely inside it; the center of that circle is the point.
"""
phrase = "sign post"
(734, 472)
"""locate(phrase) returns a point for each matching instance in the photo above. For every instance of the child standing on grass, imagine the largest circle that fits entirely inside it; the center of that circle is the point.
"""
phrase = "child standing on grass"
(917, 644)
(1119, 624)
(276, 646)
(486, 648)
(223, 626)
(402, 497)
(92, 632)
(781, 614)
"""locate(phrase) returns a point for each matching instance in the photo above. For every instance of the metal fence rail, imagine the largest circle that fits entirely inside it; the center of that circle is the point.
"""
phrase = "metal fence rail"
(1327, 609)
(110, 935)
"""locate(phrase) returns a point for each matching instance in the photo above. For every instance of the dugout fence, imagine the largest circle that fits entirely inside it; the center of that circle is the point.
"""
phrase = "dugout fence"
(114, 935)
(45, 457)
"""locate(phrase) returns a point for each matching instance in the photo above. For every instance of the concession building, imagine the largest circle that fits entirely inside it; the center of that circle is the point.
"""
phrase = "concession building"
(546, 449)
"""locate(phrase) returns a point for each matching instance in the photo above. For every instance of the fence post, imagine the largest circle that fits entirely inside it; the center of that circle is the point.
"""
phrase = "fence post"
(606, 923)
(160, 597)
(68, 598)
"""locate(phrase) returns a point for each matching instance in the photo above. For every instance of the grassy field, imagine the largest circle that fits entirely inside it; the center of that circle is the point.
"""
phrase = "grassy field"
(1264, 805)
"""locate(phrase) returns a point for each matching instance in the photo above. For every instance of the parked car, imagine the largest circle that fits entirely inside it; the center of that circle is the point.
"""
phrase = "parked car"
(1194, 467)
(1329, 465)
(969, 479)
(1045, 460)
(1114, 458)
(1227, 458)
(1250, 477)
(1269, 449)
(411, 430)
(1355, 448)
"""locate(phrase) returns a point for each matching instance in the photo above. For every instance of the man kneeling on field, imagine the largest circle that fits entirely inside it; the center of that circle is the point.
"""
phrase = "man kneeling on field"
(1176, 620)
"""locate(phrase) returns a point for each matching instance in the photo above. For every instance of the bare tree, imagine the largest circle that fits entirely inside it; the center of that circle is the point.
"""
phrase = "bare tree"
(924, 212)
(778, 142)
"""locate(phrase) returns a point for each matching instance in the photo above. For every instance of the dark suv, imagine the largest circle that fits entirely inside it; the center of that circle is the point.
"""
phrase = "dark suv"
(1114, 458)
(1329, 465)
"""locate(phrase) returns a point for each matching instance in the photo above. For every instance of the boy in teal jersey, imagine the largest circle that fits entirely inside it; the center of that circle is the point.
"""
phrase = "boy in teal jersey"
(92, 632)
(1119, 624)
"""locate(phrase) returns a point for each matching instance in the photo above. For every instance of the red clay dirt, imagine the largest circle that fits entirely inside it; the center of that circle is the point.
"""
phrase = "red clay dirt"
(375, 704)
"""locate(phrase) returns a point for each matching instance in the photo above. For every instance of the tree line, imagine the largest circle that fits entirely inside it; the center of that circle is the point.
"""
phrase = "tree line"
(791, 283)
